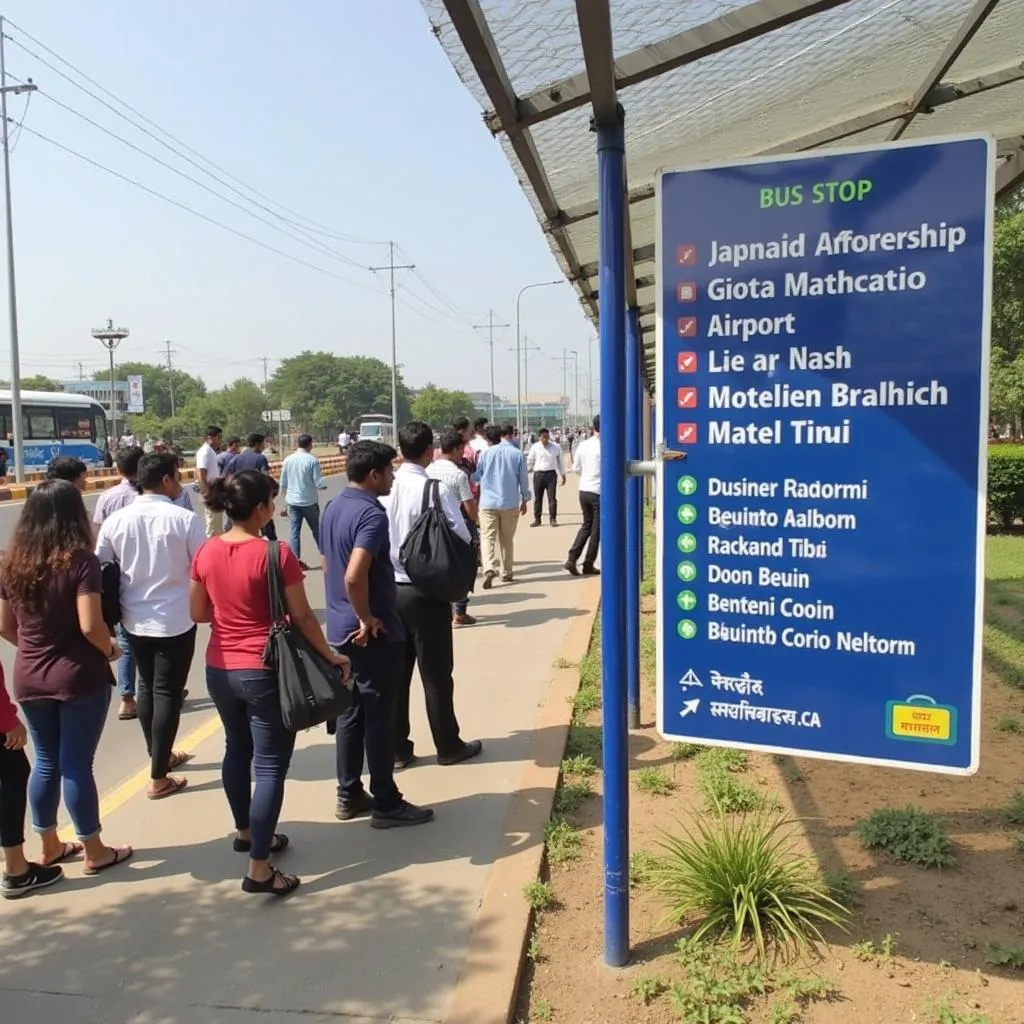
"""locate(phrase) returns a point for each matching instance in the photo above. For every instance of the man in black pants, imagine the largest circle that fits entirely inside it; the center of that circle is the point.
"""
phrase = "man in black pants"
(363, 623)
(587, 464)
(427, 620)
(154, 541)
(547, 464)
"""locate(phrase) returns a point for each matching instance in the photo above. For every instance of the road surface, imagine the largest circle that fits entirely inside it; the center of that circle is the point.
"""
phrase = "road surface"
(122, 751)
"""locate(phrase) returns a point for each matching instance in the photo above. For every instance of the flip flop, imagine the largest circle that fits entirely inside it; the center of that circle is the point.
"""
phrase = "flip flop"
(121, 854)
(179, 758)
(176, 786)
(70, 850)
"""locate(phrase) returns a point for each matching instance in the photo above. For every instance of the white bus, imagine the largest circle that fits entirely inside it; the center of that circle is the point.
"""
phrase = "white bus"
(54, 423)
(376, 427)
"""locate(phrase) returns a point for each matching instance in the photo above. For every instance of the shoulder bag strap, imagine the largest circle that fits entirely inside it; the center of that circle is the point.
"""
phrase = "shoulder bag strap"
(428, 492)
(278, 611)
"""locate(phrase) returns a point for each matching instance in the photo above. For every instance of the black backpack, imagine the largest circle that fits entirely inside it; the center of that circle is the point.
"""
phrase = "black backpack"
(438, 562)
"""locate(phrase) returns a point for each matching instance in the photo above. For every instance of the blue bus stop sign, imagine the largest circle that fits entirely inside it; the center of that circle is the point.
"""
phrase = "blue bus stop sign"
(823, 363)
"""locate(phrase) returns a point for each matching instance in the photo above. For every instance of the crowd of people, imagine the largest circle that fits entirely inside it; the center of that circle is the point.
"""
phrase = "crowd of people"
(126, 590)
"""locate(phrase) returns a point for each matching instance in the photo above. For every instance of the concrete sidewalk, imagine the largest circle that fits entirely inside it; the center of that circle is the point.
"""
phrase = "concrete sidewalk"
(381, 928)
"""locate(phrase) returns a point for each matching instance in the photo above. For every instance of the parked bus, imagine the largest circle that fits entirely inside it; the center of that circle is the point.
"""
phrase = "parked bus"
(55, 423)
(376, 427)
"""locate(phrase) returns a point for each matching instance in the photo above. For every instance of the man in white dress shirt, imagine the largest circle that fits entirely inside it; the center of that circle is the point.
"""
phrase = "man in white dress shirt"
(428, 621)
(546, 463)
(154, 541)
(587, 464)
(478, 442)
(208, 469)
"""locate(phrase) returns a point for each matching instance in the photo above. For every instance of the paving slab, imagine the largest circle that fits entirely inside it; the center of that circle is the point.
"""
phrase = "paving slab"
(381, 926)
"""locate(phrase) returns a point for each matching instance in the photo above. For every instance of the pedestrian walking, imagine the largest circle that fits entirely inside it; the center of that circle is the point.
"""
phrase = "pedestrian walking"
(587, 464)
(230, 591)
(51, 610)
(302, 478)
(427, 621)
(547, 465)
(154, 541)
(208, 469)
(504, 493)
(363, 623)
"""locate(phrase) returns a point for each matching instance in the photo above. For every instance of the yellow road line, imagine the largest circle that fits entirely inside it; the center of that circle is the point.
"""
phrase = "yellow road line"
(137, 783)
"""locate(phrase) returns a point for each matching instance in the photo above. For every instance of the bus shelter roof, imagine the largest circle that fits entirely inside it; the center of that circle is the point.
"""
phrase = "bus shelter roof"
(710, 81)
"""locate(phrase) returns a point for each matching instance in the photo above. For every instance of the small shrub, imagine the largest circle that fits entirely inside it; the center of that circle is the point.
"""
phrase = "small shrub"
(654, 781)
(1007, 723)
(908, 836)
(563, 842)
(539, 895)
(843, 887)
(541, 1010)
(942, 1012)
(722, 759)
(587, 699)
(571, 796)
(685, 751)
(584, 741)
(1005, 956)
(579, 764)
(648, 989)
(724, 791)
(743, 879)
(1005, 483)
(783, 1012)
(534, 953)
(1014, 810)
(641, 866)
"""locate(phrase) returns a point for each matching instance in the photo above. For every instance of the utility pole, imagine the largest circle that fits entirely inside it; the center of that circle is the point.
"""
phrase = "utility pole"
(525, 349)
(170, 375)
(566, 356)
(81, 371)
(110, 337)
(266, 362)
(391, 268)
(490, 325)
(12, 297)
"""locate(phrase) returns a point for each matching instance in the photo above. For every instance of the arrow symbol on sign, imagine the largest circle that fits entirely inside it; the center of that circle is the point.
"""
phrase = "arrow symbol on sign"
(690, 707)
(690, 679)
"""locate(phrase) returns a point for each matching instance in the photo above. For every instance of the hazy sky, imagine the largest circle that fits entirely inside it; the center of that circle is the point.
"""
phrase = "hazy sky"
(346, 111)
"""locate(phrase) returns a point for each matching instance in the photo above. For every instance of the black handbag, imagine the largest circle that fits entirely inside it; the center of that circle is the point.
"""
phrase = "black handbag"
(438, 562)
(311, 688)
(110, 593)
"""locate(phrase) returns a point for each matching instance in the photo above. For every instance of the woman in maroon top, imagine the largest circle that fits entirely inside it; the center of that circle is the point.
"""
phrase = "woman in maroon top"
(230, 590)
(50, 586)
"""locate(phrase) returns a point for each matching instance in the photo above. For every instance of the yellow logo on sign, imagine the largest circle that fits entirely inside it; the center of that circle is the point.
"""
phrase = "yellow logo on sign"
(921, 718)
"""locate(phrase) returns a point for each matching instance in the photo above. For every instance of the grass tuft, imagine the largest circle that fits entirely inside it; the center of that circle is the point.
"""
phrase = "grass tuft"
(571, 796)
(653, 781)
(562, 840)
(1014, 810)
(641, 867)
(908, 835)
(539, 895)
(579, 764)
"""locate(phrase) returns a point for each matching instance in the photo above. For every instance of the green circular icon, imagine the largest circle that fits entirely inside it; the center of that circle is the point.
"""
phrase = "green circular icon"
(687, 514)
(687, 485)
(687, 571)
(687, 543)
(687, 600)
(687, 629)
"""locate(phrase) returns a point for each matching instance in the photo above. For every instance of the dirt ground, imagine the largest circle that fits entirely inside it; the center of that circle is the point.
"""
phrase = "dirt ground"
(937, 926)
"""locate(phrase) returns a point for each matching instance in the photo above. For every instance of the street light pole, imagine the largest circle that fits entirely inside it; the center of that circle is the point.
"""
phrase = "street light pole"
(391, 268)
(519, 383)
(12, 298)
(110, 337)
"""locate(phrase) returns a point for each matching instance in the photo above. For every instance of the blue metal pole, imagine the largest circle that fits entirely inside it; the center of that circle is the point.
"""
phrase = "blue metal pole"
(634, 526)
(612, 299)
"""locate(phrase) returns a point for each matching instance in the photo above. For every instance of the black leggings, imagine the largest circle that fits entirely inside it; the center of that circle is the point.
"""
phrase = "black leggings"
(14, 772)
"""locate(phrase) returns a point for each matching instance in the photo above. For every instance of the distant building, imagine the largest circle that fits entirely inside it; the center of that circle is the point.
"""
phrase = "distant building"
(100, 390)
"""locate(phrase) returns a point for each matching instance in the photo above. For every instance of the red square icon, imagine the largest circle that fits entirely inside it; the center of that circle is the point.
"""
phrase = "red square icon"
(687, 433)
(687, 327)
(687, 362)
(686, 255)
(686, 291)
(686, 398)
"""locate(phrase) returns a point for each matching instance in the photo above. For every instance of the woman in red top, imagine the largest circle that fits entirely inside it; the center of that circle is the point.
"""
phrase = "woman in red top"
(230, 590)
(20, 875)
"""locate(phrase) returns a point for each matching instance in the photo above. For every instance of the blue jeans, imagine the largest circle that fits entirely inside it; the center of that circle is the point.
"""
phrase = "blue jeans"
(255, 741)
(65, 735)
(297, 515)
(125, 665)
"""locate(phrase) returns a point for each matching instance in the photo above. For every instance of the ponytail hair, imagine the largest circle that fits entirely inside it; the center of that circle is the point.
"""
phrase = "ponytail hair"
(240, 494)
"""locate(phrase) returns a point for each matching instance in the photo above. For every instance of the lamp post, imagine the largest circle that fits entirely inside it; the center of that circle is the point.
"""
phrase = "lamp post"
(110, 337)
(12, 299)
(519, 363)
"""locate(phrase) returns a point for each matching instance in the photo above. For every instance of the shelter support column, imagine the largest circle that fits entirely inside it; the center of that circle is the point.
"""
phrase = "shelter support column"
(634, 517)
(612, 309)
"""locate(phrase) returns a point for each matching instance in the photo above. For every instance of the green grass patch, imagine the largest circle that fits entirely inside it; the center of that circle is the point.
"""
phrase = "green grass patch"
(562, 840)
(641, 867)
(648, 989)
(653, 781)
(942, 1011)
(1004, 558)
(1013, 812)
(908, 835)
(685, 751)
(571, 796)
(1005, 956)
(723, 791)
(1008, 723)
(584, 741)
(722, 759)
(579, 764)
(539, 895)
(843, 887)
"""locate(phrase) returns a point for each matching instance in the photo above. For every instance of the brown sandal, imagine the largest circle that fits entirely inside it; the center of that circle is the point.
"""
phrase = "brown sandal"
(174, 786)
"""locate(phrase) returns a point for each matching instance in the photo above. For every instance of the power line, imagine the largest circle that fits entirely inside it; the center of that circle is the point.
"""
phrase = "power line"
(313, 225)
(196, 213)
(490, 325)
(303, 239)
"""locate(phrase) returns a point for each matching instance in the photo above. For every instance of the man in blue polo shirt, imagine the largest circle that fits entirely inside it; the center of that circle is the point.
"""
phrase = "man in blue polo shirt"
(252, 459)
(363, 623)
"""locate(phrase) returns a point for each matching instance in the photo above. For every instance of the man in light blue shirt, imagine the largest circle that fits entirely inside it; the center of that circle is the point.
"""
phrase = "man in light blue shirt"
(301, 478)
(504, 492)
